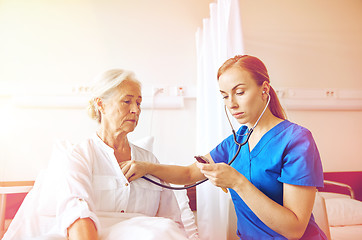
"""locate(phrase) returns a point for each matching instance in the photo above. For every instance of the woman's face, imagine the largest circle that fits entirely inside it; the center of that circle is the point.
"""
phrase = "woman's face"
(242, 96)
(121, 111)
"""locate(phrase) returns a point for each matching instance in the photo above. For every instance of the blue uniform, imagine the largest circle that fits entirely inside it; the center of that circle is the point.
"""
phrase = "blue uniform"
(287, 153)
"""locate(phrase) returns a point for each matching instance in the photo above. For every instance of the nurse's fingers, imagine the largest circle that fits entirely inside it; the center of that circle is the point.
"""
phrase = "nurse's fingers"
(209, 167)
(125, 166)
(133, 170)
(216, 172)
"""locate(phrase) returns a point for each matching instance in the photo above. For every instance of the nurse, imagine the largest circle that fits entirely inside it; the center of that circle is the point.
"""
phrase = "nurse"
(273, 180)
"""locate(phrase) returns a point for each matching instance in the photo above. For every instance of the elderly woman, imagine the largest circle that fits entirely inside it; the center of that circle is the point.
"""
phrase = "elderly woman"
(85, 195)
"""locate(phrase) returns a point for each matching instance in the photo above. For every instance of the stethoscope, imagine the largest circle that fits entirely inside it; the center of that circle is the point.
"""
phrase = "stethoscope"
(248, 134)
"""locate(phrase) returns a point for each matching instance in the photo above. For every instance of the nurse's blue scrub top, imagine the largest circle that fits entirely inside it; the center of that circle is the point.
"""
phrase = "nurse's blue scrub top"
(287, 153)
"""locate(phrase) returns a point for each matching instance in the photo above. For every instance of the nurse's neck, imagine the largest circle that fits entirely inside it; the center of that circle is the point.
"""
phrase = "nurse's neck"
(266, 122)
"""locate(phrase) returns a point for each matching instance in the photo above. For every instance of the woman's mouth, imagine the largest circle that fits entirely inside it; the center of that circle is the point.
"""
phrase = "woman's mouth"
(131, 120)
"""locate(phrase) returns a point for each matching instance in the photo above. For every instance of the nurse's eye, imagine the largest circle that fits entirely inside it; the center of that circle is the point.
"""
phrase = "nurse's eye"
(225, 97)
(239, 93)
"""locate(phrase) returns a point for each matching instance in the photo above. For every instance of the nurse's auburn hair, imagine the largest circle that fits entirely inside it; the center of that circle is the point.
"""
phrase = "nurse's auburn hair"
(260, 74)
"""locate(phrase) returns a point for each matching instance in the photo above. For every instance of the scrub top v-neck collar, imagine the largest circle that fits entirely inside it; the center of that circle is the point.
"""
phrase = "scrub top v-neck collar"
(265, 139)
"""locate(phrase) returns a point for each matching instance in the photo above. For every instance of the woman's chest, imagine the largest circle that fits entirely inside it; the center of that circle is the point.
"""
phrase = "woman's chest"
(113, 193)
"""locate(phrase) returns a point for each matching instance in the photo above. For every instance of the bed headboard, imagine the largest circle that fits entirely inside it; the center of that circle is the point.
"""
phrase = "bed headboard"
(353, 179)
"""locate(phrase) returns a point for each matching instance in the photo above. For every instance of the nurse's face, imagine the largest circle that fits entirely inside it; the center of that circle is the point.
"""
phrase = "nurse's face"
(242, 96)
(121, 111)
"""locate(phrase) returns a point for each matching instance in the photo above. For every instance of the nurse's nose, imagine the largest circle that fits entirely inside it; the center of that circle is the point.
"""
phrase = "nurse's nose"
(232, 102)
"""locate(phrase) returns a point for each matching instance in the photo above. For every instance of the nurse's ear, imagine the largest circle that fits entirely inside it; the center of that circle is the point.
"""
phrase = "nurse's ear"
(266, 88)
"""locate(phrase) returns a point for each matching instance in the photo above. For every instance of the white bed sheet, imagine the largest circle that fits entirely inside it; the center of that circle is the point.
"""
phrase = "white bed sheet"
(135, 226)
(352, 232)
(342, 209)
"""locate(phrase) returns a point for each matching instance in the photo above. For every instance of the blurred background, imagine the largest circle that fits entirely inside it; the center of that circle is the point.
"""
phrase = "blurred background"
(57, 47)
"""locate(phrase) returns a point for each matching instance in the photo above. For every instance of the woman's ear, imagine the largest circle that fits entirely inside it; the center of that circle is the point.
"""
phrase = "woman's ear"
(99, 104)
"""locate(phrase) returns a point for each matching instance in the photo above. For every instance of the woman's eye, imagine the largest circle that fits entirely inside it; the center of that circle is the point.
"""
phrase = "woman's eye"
(240, 93)
(225, 97)
(127, 102)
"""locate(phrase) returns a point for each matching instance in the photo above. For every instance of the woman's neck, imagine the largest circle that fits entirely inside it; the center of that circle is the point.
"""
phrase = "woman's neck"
(117, 141)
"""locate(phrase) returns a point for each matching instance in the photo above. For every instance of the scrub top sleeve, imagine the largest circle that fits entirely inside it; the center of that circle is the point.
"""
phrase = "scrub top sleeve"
(301, 162)
(221, 152)
(75, 195)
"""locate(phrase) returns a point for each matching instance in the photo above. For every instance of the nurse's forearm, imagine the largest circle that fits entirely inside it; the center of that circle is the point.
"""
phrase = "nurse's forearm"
(281, 219)
(175, 174)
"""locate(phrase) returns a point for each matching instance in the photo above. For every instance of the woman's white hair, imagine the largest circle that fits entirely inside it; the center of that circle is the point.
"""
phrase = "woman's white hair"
(104, 86)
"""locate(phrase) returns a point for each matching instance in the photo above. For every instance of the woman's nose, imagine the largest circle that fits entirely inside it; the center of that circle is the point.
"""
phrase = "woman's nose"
(135, 108)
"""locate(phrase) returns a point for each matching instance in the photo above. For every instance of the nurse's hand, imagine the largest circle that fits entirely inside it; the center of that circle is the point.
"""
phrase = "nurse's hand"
(221, 175)
(133, 170)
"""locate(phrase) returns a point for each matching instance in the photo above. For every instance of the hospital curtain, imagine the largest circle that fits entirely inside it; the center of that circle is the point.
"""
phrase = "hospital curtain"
(219, 39)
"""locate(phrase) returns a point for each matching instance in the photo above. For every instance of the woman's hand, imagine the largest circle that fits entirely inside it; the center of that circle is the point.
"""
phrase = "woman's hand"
(221, 175)
(82, 228)
(133, 170)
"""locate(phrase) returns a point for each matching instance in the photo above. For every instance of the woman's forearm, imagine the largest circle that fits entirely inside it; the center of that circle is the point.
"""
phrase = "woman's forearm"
(83, 229)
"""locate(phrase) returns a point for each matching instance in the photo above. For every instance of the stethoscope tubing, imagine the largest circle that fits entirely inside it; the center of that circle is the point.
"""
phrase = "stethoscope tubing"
(174, 188)
(229, 163)
(202, 181)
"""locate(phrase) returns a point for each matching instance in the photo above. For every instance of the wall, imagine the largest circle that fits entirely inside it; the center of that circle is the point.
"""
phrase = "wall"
(313, 44)
(305, 44)
(60, 43)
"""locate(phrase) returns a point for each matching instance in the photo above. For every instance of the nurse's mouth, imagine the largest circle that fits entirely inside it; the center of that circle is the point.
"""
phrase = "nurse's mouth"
(238, 115)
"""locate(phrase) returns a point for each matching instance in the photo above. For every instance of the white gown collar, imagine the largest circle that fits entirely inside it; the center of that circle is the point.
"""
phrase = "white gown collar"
(107, 148)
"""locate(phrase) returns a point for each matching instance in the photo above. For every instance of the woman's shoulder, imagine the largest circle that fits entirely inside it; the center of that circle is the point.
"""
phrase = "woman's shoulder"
(142, 154)
(82, 148)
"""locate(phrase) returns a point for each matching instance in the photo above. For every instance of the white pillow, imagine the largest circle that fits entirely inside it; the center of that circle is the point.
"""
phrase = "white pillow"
(326, 195)
(145, 143)
(187, 217)
(343, 211)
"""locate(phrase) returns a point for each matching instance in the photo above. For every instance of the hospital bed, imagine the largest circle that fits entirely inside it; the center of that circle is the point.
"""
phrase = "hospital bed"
(343, 207)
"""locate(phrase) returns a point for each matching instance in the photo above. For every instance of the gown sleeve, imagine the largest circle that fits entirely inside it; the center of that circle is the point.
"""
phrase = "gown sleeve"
(75, 194)
(301, 162)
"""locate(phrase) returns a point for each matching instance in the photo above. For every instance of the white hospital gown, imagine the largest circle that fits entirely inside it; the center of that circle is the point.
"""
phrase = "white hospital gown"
(85, 181)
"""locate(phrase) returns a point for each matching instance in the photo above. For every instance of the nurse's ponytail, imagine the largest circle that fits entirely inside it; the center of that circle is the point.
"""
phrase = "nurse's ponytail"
(260, 74)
